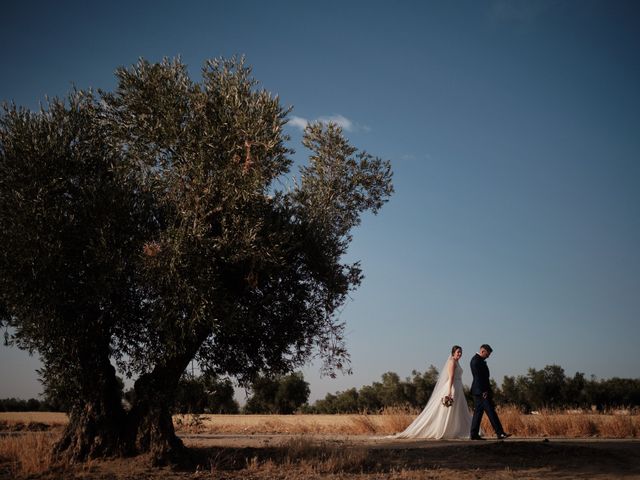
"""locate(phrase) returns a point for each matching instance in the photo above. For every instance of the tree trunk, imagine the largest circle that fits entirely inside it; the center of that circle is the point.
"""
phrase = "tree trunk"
(100, 427)
(96, 425)
(150, 422)
(151, 427)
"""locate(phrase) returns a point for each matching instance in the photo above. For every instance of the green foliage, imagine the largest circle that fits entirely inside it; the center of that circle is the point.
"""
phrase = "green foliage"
(191, 396)
(423, 385)
(391, 392)
(551, 388)
(205, 394)
(219, 395)
(70, 232)
(546, 388)
(613, 392)
(243, 275)
(145, 226)
(340, 183)
(30, 405)
(282, 394)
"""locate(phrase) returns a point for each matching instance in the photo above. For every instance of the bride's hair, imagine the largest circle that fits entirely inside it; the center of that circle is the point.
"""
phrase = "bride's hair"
(455, 348)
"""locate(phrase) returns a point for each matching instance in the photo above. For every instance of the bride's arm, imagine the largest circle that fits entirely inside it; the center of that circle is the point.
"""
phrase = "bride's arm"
(451, 368)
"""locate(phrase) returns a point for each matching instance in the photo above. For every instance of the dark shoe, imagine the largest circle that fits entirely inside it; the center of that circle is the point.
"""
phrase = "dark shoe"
(476, 437)
(503, 435)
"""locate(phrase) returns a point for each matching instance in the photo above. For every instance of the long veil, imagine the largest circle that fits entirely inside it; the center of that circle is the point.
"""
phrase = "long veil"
(440, 389)
(437, 421)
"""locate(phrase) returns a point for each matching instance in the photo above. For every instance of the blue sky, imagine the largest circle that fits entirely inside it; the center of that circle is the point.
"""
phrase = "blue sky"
(513, 129)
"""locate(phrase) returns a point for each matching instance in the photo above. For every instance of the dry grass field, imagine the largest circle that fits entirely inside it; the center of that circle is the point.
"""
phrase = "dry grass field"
(549, 445)
(32, 421)
(544, 424)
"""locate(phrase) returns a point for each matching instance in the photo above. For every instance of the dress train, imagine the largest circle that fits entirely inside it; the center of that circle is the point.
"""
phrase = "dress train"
(438, 421)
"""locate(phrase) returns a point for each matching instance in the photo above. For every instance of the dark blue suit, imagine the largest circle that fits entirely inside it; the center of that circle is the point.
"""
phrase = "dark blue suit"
(481, 385)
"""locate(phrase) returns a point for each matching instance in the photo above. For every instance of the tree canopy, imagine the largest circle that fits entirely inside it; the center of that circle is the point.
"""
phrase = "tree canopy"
(548, 388)
(283, 394)
(148, 227)
(203, 394)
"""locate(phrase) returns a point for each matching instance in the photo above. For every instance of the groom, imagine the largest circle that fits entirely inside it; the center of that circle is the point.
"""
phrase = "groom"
(481, 391)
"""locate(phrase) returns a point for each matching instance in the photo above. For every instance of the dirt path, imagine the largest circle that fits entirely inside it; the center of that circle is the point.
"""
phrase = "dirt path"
(512, 459)
(359, 457)
(382, 442)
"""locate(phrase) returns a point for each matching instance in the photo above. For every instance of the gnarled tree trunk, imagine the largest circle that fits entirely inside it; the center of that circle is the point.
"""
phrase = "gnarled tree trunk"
(100, 427)
(150, 421)
(96, 424)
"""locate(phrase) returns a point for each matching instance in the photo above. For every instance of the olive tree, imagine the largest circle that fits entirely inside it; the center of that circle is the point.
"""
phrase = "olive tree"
(173, 239)
(70, 232)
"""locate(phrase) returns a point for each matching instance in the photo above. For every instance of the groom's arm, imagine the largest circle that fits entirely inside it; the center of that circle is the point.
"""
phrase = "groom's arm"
(480, 371)
(474, 366)
(486, 382)
(475, 371)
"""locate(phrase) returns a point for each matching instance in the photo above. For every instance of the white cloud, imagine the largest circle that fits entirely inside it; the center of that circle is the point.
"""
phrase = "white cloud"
(298, 122)
(340, 120)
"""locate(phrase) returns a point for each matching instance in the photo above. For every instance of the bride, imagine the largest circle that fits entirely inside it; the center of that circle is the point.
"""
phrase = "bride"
(438, 420)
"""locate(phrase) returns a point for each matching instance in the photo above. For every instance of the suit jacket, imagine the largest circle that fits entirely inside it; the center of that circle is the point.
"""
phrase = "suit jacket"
(480, 373)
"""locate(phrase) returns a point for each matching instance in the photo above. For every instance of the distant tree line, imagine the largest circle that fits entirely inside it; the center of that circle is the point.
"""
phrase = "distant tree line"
(538, 389)
(282, 394)
(390, 392)
(549, 387)
(201, 394)
(30, 405)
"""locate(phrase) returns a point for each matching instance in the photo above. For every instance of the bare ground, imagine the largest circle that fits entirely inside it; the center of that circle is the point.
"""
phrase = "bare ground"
(354, 447)
(297, 457)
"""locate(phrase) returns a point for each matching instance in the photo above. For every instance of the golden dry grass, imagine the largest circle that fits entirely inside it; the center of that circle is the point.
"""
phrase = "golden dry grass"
(304, 457)
(356, 424)
(307, 457)
(548, 423)
(32, 421)
(551, 423)
(50, 418)
(545, 424)
(26, 454)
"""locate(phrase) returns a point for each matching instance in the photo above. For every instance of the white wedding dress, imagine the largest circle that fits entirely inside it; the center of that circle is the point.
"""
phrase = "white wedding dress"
(438, 421)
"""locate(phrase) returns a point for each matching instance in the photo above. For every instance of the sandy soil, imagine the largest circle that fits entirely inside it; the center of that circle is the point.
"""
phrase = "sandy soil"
(312, 447)
(513, 458)
(297, 457)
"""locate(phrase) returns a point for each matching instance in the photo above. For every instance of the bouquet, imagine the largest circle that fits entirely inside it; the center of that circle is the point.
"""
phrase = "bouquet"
(447, 401)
